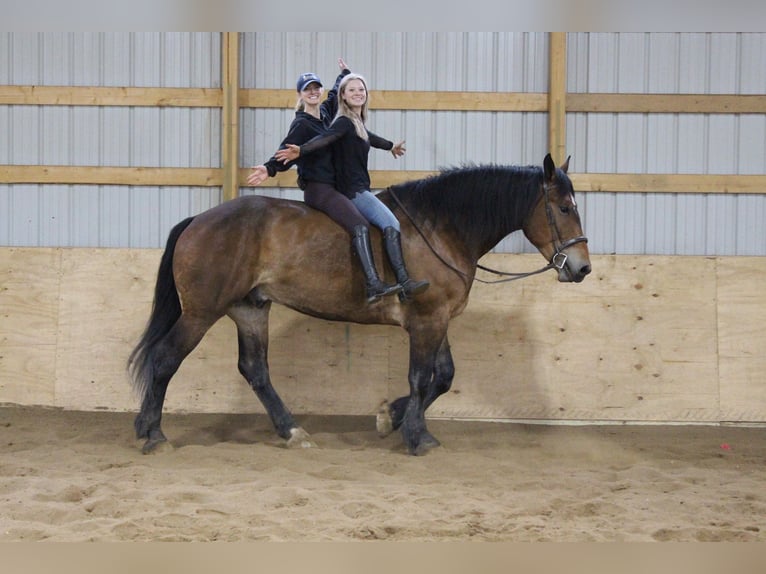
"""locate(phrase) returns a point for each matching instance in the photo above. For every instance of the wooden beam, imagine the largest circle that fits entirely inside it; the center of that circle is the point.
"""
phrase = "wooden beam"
(415, 100)
(92, 175)
(100, 96)
(557, 96)
(212, 177)
(590, 182)
(669, 183)
(389, 100)
(666, 103)
(230, 131)
(379, 179)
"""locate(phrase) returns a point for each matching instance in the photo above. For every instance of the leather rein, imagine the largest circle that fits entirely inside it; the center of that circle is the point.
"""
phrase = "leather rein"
(557, 261)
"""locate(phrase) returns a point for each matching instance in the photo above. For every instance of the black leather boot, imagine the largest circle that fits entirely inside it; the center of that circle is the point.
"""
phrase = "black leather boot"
(392, 240)
(375, 287)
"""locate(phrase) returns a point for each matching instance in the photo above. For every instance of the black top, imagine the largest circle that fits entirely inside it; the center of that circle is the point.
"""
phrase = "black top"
(318, 167)
(349, 153)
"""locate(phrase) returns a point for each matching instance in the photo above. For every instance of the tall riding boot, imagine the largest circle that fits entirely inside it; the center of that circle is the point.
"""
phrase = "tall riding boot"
(375, 287)
(392, 240)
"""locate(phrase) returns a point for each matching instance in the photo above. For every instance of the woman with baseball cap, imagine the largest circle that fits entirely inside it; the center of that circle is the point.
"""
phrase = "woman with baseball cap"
(351, 141)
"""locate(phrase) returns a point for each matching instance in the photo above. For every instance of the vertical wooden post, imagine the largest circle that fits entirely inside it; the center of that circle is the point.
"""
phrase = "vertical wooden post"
(557, 93)
(230, 113)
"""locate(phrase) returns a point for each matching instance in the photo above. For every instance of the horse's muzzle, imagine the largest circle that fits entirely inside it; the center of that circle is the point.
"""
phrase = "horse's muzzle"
(572, 267)
(574, 270)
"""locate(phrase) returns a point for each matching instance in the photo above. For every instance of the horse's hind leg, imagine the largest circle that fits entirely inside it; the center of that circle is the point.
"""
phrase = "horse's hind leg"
(391, 416)
(166, 358)
(252, 334)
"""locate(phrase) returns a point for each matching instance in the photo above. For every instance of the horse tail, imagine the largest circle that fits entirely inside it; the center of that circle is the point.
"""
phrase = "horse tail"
(166, 309)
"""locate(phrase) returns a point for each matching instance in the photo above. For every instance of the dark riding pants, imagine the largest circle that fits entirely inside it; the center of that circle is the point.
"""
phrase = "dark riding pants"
(337, 206)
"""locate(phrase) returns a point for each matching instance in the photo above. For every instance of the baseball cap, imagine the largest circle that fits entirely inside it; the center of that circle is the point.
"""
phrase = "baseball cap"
(305, 79)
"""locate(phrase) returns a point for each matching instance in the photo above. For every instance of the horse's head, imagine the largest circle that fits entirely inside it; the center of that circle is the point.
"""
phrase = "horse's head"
(554, 225)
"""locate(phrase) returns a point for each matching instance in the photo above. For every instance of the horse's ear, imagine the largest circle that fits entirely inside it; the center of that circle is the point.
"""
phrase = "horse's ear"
(549, 167)
(565, 165)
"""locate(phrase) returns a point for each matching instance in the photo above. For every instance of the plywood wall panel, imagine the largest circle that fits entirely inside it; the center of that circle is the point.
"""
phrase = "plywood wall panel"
(643, 338)
(29, 291)
(742, 337)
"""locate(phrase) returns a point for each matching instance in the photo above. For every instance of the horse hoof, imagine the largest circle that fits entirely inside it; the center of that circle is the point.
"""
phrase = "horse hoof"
(299, 438)
(383, 422)
(156, 445)
(429, 441)
(426, 442)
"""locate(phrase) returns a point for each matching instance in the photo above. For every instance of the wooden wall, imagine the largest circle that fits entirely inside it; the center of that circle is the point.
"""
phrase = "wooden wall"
(643, 338)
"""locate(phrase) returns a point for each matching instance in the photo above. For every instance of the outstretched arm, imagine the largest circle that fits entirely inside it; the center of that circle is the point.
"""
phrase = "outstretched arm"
(270, 168)
(336, 131)
(376, 141)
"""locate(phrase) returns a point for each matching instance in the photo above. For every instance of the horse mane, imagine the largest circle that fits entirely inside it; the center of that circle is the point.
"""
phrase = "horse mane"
(481, 200)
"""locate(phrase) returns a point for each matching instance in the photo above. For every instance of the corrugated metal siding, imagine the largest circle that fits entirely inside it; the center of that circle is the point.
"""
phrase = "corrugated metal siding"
(106, 216)
(689, 224)
(679, 63)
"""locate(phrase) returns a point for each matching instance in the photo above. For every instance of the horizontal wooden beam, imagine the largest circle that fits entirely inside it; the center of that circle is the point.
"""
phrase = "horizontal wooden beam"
(459, 101)
(669, 183)
(415, 100)
(592, 182)
(92, 175)
(213, 177)
(666, 103)
(101, 96)
(379, 179)
(389, 100)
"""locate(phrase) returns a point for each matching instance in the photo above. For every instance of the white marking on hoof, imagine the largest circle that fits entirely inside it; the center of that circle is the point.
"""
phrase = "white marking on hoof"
(299, 438)
(383, 421)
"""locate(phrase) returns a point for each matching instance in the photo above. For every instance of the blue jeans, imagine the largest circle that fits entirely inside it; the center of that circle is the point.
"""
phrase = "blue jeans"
(375, 210)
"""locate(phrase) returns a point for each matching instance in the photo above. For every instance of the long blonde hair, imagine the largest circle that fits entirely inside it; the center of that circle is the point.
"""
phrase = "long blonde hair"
(345, 110)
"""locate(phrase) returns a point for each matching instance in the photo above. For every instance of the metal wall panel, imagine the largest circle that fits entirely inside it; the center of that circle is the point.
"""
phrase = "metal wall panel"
(108, 216)
(683, 224)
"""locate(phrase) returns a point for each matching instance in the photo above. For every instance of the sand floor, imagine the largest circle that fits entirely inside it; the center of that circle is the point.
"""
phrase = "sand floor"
(80, 476)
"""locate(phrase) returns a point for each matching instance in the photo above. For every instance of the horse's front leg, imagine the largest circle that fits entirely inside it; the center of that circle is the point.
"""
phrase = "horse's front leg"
(391, 415)
(424, 352)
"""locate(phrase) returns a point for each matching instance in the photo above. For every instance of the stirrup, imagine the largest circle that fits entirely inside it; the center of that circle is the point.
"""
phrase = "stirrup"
(376, 293)
(411, 288)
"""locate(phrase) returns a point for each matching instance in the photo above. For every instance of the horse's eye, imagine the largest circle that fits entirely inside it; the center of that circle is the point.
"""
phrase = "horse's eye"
(564, 209)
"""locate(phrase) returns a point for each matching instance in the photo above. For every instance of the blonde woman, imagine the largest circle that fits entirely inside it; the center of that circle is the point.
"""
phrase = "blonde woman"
(350, 141)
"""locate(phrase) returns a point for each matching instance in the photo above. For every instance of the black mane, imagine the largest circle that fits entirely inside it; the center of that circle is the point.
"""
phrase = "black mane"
(485, 202)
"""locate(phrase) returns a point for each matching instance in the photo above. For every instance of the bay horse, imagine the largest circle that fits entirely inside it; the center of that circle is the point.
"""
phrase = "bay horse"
(239, 257)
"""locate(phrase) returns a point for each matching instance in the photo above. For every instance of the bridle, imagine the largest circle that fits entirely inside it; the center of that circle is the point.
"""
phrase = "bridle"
(557, 261)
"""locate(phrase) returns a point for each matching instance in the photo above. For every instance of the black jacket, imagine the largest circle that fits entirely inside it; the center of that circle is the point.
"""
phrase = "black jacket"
(318, 167)
(349, 153)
